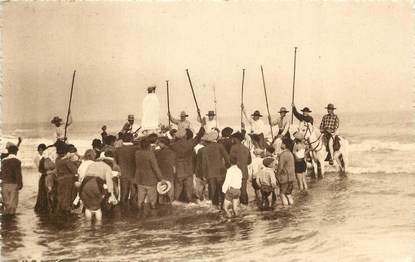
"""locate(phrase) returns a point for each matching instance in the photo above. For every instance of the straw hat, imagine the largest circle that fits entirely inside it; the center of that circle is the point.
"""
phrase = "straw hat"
(330, 106)
(163, 187)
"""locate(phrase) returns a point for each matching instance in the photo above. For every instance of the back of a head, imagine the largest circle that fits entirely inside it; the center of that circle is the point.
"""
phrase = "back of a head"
(89, 154)
(61, 148)
(227, 132)
(41, 147)
(145, 144)
(96, 143)
(152, 138)
(13, 149)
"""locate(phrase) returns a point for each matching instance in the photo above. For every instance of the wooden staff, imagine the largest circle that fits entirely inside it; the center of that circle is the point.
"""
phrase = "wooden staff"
(168, 103)
(266, 100)
(69, 106)
(214, 100)
(194, 96)
(242, 94)
(292, 99)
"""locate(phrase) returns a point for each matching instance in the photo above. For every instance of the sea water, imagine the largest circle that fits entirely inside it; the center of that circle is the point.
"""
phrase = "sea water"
(367, 216)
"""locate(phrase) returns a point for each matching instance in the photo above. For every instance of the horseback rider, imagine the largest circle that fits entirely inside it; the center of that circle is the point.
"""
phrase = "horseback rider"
(257, 127)
(283, 123)
(305, 116)
(328, 127)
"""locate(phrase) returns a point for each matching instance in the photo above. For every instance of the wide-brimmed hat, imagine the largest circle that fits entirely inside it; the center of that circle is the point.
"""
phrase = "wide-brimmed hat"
(330, 106)
(210, 137)
(283, 110)
(163, 187)
(183, 113)
(306, 109)
(151, 88)
(211, 113)
(130, 117)
(256, 113)
(56, 119)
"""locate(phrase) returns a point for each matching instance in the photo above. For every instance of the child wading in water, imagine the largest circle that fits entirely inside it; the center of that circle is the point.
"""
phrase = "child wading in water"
(299, 151)
(286, 173)
(232, 188)
(267, 182)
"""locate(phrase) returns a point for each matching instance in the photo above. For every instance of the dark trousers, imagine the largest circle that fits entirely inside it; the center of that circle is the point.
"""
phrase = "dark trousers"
(215, 190)
(184, 184)
(125, 190)
(244, 194)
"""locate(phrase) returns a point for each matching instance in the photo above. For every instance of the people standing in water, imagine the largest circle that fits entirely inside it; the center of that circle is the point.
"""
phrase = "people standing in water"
(104, 133)
(267, 182)
(286, 173)
(241, 153)
(147, 174)
(232, 188)
(328, 127)
(166, 158)
(12, 183)
(42, 194)
(299, 151)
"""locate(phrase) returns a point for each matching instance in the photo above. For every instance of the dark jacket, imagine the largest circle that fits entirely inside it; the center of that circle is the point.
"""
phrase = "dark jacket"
(184, 153)
(166, 158)
(125, 158)
(65, 167)
(215, 159)
(227, 143)
(11, 172)
(243, 156)
(147, 171)
(301, 117)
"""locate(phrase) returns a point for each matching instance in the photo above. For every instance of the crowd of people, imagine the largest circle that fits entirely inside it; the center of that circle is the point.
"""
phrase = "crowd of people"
(163, 166)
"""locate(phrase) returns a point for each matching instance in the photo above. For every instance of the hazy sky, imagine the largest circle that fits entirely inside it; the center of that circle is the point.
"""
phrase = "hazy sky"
(355, 55)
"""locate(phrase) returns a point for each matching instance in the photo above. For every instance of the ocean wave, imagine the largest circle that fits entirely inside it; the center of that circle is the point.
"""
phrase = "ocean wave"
(380, 169)
(381, 146)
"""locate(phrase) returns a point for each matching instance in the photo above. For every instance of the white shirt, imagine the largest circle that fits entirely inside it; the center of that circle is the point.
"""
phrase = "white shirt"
(233, 179)
(151, 112)
(257, 127)
(210, 124)
(59, 133)
(83, 168)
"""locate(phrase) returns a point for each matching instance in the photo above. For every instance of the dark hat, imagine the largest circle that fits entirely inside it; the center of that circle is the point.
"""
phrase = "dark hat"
(267, 161)
(257, 113)
(227, 132)
(151, 88)
(306, 109)
(56, 119)
(283, 110)
(238, 135)
(330, 106)
(211, 113)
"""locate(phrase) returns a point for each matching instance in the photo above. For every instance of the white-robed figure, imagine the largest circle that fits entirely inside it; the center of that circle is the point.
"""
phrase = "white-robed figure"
(211, 122)
(151, 111)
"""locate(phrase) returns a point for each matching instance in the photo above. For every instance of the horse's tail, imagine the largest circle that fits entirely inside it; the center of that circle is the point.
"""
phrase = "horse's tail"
(344, 151)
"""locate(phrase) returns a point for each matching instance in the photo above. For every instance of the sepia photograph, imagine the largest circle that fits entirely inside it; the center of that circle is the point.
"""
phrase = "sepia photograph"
(207, 131)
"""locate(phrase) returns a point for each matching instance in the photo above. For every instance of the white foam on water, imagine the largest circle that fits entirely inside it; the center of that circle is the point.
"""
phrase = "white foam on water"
(377, 146)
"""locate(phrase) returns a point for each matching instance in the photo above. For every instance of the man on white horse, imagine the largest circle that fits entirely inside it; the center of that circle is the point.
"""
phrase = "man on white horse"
(305, 116)
(328, 127)
(283, 123)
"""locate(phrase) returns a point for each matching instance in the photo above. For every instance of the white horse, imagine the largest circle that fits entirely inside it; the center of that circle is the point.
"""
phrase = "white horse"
(319, 152)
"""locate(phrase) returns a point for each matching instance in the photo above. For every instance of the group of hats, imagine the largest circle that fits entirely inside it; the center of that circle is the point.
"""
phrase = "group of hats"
(284, 110)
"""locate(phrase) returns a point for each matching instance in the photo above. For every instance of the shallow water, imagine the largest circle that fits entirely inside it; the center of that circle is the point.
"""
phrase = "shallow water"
(365, 217)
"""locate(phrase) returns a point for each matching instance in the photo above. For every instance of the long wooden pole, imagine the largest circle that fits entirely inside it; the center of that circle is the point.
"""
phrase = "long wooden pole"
(69, 106)
(168, 102)
(266, 100)
(292, 99)
(194, 96)
(242, 94)
(216, 110)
